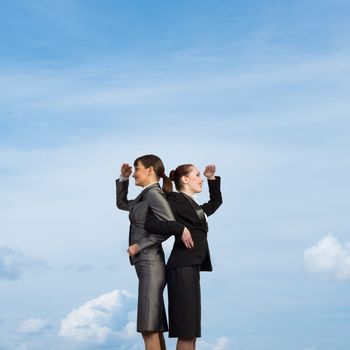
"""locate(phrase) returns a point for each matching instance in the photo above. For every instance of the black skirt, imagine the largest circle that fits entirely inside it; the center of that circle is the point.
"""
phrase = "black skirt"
(184, 302)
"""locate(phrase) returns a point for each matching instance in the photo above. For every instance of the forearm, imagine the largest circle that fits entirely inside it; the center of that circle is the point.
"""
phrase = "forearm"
(122, 201)
(152, 240)
(215, 196)
(160, 227)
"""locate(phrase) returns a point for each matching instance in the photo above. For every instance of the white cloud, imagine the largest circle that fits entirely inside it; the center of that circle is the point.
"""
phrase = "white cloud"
(106, 320)
(222, 343)
(14, 262)
(34, 326)
(329, 257)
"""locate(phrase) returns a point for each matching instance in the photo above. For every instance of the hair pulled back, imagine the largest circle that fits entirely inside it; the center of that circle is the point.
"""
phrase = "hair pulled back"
(178, 173)
(150, 160)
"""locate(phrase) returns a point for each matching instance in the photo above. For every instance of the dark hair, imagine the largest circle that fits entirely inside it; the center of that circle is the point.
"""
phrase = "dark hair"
(150, 160)
(178, 173)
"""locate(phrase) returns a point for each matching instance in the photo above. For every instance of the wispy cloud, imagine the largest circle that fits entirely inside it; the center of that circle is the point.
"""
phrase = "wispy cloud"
(34, 326)
(13, 263)
(83, 268)
(329, 257)
(109, 87)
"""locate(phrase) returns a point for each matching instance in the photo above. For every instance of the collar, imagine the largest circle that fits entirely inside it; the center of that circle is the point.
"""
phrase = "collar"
(194, 196)
(150, 184)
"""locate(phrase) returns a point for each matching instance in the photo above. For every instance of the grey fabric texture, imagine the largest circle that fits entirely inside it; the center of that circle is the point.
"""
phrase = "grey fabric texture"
(151, 314)
(150, 198)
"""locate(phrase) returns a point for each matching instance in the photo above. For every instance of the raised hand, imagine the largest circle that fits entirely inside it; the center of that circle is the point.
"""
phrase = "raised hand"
(125, 170)
(209, 172)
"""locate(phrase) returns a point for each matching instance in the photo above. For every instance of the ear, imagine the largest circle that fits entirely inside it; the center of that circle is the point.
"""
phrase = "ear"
(184, 179)
(150, 170)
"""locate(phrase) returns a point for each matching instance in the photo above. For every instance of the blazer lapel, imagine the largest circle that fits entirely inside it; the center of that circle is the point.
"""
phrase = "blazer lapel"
(199, 211)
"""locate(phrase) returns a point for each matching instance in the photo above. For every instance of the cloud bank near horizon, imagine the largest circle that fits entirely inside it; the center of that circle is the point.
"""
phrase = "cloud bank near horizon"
(104, 321)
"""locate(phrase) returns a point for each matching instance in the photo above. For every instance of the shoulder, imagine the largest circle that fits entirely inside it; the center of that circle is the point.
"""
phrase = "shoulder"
(175, 197)
(154, 189)
(154, 192)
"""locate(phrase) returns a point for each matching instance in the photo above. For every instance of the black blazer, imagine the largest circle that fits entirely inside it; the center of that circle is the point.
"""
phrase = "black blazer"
(190, 214)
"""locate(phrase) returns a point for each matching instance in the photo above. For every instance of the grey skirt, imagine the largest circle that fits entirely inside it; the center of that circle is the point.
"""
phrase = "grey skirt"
(151, 314)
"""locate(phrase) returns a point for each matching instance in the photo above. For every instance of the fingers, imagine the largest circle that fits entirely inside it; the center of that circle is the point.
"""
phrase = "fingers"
(126, 166)
(126, 169)
(187, 239)
(210, 167)
(188, 244)
(133, 250)
(209, 171)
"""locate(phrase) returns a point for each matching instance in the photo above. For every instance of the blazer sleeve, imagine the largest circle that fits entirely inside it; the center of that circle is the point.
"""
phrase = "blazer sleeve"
(162, 212)
(122, 195)
(159, 227)
(215, 197)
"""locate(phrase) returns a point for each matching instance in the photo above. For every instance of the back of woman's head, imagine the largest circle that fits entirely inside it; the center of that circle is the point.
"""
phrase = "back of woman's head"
(151, 160)
(178, 173)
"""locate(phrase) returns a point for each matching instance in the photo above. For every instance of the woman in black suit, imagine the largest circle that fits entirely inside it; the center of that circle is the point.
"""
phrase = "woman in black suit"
(188, 256)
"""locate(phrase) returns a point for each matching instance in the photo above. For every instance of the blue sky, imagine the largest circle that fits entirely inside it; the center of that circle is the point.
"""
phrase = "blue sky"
(260, 88)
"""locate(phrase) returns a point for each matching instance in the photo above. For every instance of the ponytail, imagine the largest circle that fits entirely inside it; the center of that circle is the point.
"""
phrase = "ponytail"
(167, 184)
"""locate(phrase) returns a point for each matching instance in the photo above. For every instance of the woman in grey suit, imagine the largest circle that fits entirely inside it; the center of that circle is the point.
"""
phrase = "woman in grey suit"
(145, 250)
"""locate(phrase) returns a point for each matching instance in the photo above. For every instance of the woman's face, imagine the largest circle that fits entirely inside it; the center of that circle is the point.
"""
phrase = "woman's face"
(141, 175)
(193, 180)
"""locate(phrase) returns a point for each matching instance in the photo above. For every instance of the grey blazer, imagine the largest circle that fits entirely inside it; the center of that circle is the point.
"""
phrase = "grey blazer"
(152, 198)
